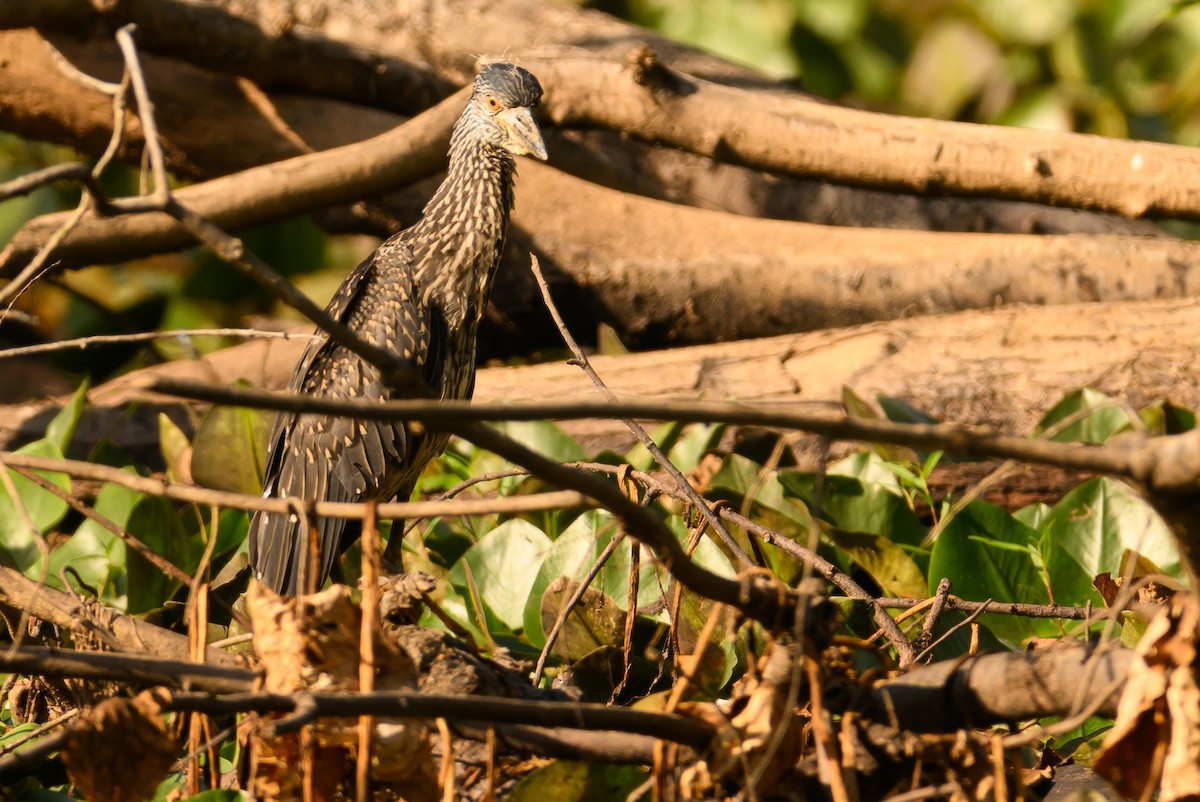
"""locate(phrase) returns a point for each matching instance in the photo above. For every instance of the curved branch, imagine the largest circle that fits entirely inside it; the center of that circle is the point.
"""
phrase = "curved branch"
(121, 631)
(778, 130)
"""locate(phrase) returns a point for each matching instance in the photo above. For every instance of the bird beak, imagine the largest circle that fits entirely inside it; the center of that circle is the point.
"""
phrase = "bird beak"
(524, 136)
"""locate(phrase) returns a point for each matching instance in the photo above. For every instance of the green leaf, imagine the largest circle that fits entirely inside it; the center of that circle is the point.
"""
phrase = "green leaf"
(61, 428)
(867, 467)
(155, 522)
(566, 781)
(175, 447)
(858, 506)
(97, 554)
(740, 479)
(692, 447)
(44, 508)
(217, 795)
(987, 554)
(545, 438)
(1084, 416)
(229, 449)
(594, 621)
(857, 407)
(1167, 418)
(665, 436)
(573, 554)
(504, 564)
(1033, 515)
(889, 565)
(898, 411)
(1089, 531)
(716, 666)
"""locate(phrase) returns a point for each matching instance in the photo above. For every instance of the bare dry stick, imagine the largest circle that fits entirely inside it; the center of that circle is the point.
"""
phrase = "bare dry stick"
(117, 631)
(366, 644)
(83, 343)
(160, 486)
(785, 134)
(580, 359)
(776, 130)
(408, 153)
(1170, 462)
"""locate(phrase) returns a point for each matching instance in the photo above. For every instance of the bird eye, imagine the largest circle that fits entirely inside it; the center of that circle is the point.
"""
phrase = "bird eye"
(493, 104)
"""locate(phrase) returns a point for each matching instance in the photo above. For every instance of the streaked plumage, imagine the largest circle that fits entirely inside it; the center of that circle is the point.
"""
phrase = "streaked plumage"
(421, 295)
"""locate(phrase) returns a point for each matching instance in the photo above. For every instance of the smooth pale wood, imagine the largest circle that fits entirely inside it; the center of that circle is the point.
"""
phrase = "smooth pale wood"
(1003, 368)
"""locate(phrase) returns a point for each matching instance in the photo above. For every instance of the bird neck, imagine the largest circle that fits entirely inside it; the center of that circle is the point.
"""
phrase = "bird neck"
(458, 240)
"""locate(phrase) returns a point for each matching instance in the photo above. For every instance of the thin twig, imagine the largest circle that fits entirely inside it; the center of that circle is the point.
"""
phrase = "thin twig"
(928, 650)
(581, 360)
(997, 608)
(82, 343)
(576, 596)
(70, 171)
(161, 486)
(953, 438)
(935, 614)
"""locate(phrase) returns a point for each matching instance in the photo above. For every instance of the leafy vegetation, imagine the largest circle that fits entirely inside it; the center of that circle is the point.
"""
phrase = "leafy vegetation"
(506, 579)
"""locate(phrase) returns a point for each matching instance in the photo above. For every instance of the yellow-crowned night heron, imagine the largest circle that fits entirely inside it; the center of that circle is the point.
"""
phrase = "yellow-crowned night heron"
(421, 295)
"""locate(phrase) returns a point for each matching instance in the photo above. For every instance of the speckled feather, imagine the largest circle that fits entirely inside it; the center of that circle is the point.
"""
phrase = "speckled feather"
(421, 295)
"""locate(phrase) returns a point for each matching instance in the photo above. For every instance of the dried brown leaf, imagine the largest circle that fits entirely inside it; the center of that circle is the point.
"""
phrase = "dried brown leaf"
(120, 750)
(1156, 737)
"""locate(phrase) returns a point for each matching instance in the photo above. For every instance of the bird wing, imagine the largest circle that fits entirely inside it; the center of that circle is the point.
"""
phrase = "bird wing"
(330, 458)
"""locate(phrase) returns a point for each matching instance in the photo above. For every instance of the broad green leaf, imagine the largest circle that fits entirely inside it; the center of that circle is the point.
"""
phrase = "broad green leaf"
(858, 506)
(719, 660)
(699, 440)
(857, 407)
(155, 522)
(867, 467)
(61, 428)
(229, 449)
(593, 622)
(573, 554)
(1033, 515)
(566, 781)
(175, 447)
(96, 554)
(1084, 416)
(504, 564)
(949, 66)
(889, 565)
(1167, 418)
(545, 438)
(898, 411)
(740, 478)
(987, 554)
(1089, 530)
(44, 509)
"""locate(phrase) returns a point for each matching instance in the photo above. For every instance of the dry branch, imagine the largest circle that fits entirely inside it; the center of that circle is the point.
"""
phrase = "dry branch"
(1001, 368)
(660, 273)
(119, 631)
(974, 693)
(780, 131)
(1002, 687)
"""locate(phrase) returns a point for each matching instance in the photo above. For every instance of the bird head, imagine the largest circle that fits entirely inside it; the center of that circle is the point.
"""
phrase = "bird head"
(502, 105)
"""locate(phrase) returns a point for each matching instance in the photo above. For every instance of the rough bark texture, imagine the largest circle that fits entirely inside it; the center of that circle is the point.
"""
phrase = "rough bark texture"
(1003, 368)
(659, 273)
(606, 72)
